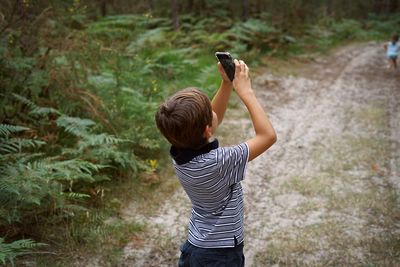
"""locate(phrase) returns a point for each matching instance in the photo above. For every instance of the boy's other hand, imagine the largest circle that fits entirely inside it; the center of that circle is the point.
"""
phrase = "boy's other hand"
(241, 83)
(223, 73)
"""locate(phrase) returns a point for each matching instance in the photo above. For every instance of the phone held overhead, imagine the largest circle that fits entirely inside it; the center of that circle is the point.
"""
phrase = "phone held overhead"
(227, 63)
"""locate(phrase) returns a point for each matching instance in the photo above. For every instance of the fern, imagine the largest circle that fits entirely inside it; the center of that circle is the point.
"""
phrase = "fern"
(99, 139)
(112, 27)
(34, 109)
(74, 169)
(15, 145)
(347, 29)
(74, 195)
(254, 33)
(75, 126)
(6, 129)
(103, 81)
(33, 180)
(150, 38)
(35, 183)
(9, 251)
(101, 148)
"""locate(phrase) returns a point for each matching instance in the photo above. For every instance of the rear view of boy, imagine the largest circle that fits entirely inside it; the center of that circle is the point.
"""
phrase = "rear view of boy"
(392, 50)
(210, 174)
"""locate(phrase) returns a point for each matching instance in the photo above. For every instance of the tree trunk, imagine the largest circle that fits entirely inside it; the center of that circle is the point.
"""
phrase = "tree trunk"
(329, 9)
(245, 10)
(103, 8)
(393, 6)
(150, 6)
(190, 6)
(175, 15)
(377, 6)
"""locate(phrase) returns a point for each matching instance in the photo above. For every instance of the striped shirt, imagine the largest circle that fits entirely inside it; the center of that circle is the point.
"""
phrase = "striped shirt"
(211, 179)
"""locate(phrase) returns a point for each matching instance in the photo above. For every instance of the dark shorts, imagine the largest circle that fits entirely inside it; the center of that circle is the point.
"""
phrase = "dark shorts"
(192, 256)
(392, 57)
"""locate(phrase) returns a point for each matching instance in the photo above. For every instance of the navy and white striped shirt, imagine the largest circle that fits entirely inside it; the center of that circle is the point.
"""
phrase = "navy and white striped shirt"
(211, 178)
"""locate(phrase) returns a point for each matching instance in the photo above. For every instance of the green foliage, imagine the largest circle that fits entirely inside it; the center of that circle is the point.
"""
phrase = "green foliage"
(151, 38)
(254, 34)
(346, 29)
(31, 183)
(9, 251)
(6, 130)
(101, 148)
(116, 26)
(33, 109)
(329, 32)
(379, 27)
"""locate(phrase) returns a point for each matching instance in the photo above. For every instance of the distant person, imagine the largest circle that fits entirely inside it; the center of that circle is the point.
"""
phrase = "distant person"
(392, 50)
(211, 174)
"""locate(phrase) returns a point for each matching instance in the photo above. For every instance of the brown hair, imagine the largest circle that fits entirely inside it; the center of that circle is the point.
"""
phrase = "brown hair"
(395, 38)
(183, 118)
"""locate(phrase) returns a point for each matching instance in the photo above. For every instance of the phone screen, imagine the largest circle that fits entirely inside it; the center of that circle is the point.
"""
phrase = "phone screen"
(227, 63)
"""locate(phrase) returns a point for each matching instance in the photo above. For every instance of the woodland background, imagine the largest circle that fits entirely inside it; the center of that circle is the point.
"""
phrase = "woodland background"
(79, 84)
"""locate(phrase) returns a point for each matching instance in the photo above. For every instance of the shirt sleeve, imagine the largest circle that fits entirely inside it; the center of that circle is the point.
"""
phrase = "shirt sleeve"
(233, 163)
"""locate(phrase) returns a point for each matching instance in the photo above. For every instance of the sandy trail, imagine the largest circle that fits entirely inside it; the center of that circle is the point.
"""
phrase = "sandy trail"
(320, 195)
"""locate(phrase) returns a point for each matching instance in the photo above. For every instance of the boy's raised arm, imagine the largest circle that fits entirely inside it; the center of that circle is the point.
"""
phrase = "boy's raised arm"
(220, 100)
(265, 134)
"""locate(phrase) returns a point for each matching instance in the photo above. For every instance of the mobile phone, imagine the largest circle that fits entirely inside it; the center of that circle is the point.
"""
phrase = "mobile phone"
(227, 63)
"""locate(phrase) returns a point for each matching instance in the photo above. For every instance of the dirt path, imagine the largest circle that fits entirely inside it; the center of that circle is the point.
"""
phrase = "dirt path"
(327, 194)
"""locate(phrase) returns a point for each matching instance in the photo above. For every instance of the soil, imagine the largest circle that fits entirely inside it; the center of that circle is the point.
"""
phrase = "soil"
(326, 194)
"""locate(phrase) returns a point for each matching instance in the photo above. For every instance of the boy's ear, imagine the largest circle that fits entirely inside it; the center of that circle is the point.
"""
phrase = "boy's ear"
(208, 132)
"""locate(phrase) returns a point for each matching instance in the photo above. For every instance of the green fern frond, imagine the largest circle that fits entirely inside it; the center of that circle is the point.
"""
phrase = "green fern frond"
(151, 37)
(203, 78)
(74, 195)
(75, 126)
(35, 109)
(116, 158)
(10, 189)
(100, 139)
(120, 26)
(7, 129)
(74, 169)
(9, 251)
(15, 145)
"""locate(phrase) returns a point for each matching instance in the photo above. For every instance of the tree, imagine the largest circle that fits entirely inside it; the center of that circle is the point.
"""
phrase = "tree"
(103, 8)
(245, 10)
(393, 6)
(175, 14)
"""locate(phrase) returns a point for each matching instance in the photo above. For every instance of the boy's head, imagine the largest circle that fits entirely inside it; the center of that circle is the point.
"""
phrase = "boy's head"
(395, 38)
(185, 118)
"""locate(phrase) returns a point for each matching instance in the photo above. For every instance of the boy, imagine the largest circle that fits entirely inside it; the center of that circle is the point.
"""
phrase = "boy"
(210, 174)
(392, 49)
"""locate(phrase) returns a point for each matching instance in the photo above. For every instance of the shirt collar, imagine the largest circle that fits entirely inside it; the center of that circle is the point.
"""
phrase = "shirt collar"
(184, 155)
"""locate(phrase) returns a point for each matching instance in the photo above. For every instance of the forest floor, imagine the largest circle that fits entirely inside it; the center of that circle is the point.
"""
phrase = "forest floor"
(327, 193)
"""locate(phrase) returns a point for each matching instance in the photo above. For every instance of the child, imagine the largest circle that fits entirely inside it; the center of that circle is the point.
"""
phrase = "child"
(210, 174)
(392, 50)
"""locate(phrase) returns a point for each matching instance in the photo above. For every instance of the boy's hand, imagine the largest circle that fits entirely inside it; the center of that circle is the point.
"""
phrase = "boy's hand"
(223, 74)
(241, 83)
(265, 133)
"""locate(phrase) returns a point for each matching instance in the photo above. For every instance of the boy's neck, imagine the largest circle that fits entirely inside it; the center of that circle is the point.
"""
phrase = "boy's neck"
(183, 155)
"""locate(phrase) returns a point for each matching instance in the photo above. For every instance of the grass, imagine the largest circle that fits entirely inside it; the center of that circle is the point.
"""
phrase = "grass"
(93, 235)
(309, 186)
(356, 229)
(303, 246)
